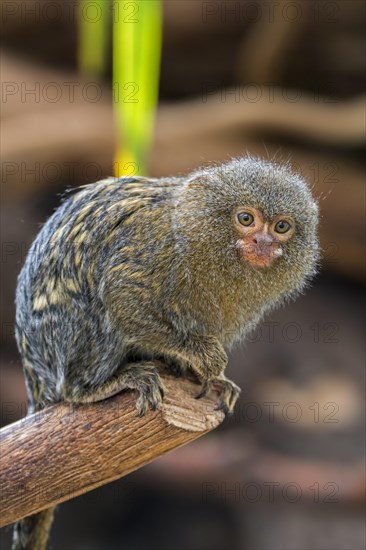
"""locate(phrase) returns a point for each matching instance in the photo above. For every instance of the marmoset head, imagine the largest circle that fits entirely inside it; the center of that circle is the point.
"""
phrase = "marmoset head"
(255, 215)
(260, 239)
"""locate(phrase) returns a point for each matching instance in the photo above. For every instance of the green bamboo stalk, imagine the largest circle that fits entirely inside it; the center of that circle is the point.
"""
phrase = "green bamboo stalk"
(94, 19)
(137, 37)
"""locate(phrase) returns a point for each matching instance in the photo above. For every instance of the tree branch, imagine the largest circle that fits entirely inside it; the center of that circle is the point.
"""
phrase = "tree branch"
(66, 450)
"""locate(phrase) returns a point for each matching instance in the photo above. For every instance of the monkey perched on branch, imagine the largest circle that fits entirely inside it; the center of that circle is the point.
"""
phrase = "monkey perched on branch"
(131, 270)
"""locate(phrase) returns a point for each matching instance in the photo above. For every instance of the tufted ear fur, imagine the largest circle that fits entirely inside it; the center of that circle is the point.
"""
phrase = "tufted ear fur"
(197, 181)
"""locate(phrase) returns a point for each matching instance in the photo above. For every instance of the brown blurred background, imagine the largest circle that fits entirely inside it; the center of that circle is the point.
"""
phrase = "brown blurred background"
(278, 79)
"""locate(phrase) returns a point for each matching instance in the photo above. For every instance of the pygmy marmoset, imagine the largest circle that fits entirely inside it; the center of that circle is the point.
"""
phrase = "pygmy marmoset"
(133, 269)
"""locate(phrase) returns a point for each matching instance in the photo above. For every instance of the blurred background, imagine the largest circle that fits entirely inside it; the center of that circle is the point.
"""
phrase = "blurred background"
(279, 79)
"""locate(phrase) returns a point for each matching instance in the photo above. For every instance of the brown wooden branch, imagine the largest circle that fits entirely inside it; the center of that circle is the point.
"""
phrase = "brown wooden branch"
(67, 450)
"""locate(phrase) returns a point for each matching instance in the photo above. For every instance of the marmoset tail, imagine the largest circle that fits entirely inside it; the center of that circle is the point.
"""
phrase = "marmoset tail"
(130, 270)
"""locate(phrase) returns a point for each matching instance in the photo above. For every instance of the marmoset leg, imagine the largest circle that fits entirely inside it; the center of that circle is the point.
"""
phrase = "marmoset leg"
(205, 356)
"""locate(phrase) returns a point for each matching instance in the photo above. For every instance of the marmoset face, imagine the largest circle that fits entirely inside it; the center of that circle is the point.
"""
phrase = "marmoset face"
(260, 239)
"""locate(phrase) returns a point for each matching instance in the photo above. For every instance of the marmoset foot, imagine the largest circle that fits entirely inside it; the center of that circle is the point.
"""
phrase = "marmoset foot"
(150, 388)
(227, 390)
(142, 377)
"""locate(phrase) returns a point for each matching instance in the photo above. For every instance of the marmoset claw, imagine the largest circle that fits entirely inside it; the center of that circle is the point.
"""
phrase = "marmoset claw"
(227, 390)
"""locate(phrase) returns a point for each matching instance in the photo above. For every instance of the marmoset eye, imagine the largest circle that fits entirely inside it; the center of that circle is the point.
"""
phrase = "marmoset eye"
(245, 218)
(282, 226)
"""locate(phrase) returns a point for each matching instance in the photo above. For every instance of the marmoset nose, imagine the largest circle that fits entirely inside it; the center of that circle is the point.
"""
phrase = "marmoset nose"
(262, 239)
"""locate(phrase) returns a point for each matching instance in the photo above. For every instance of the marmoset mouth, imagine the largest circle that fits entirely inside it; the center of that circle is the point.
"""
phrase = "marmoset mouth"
(260, 261)
(260, 255)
